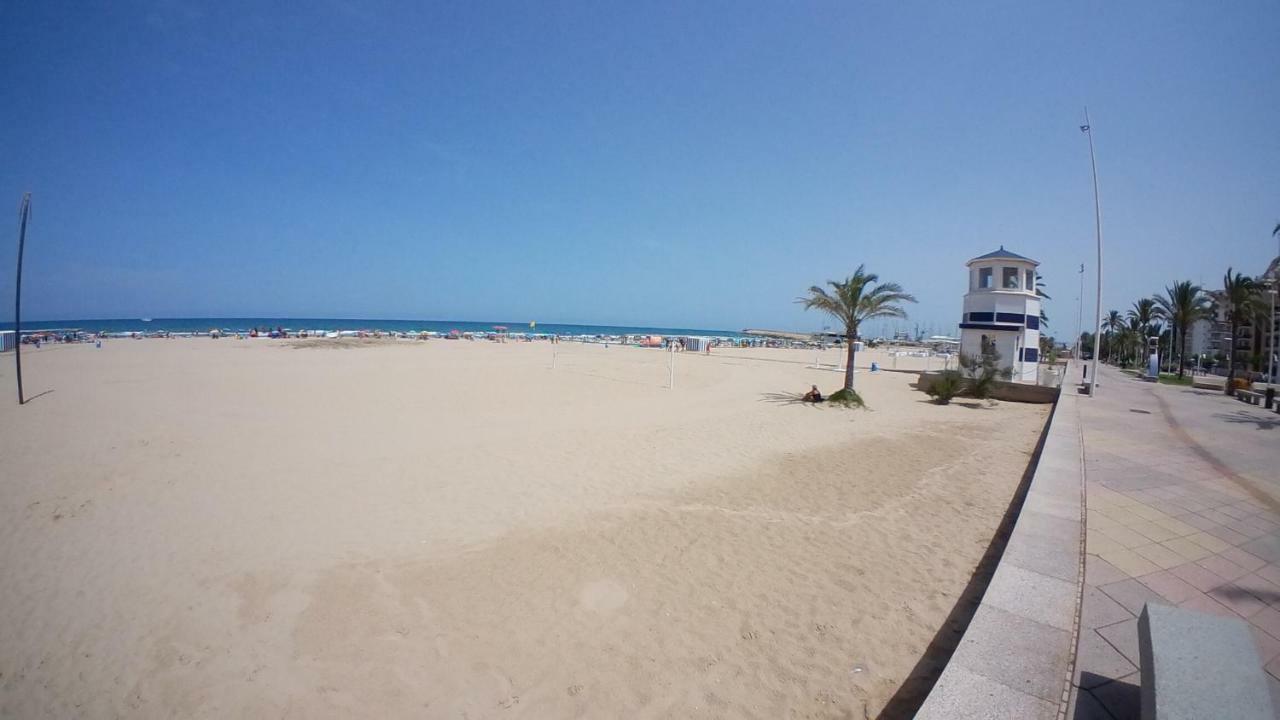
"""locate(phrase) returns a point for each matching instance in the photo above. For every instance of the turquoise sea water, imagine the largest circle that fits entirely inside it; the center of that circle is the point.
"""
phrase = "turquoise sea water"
(193, 325)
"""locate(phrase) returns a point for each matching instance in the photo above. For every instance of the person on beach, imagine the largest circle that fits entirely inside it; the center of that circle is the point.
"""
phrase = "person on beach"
(813, 395)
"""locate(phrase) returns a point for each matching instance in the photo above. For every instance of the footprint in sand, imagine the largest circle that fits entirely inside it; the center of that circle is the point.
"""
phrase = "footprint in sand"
(602, 596)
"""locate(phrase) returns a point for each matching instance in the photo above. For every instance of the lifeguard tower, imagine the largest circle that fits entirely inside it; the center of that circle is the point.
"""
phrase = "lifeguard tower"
(1002, 308)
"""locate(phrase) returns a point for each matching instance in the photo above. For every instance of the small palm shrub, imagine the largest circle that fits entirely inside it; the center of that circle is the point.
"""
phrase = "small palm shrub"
(985, 370)
(847, 397)
(946, 386)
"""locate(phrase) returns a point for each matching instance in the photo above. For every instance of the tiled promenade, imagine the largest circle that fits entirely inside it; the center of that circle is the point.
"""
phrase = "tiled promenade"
(1183, 508)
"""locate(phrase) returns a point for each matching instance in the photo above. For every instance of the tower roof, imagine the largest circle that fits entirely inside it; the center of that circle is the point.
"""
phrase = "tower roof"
(1003, 254)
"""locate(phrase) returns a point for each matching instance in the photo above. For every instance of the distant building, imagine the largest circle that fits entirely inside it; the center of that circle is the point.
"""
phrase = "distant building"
(1002, 310)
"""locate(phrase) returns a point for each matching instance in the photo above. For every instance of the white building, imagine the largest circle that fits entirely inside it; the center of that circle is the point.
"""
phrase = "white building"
(1002, 308)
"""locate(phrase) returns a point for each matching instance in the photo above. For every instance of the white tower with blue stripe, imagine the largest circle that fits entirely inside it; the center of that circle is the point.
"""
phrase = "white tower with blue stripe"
(1002, 308)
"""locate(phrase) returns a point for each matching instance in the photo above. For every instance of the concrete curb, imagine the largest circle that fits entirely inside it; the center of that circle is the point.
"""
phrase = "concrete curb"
(1016, 656)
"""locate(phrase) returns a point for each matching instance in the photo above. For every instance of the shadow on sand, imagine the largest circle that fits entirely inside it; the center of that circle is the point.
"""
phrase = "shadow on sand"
(787, 399)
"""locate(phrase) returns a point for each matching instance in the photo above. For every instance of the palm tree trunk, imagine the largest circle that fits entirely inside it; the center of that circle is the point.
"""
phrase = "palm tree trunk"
(1231, 360)
(850, 351)
(1182, 351)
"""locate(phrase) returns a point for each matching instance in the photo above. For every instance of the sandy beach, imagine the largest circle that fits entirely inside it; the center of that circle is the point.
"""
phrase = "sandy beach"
(452, 529)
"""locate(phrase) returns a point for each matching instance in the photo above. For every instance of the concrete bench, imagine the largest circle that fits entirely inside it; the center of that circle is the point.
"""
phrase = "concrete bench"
(1196, 665)
(1249, 396)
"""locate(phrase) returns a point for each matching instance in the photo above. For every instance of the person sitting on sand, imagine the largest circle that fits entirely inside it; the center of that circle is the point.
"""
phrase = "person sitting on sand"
(813, 395)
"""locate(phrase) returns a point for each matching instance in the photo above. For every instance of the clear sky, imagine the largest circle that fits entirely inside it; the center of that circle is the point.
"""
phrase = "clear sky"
(692, 164)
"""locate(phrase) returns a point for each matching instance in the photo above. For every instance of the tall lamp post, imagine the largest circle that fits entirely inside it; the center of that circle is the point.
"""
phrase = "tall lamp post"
(1079, 319)
(1272, 285)
(1097, 220)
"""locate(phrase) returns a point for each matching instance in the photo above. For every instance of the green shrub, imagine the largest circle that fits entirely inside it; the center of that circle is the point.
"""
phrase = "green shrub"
(984, 370)
(946, 386)
(847, 398)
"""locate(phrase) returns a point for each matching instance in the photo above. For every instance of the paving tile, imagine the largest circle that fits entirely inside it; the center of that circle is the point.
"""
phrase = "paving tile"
(1269, 572)
(1209, 542)
(1222, 567)
(1167, 507)
(1100, 572)
(1269, 620)
(1245, 529)
(1153, 531)
(1127, 537)
(1206, 604)
(1273, 669)
(1015, 650)
(1169, 586)
(1147, 512)
(1217, 516)
(1199, 578)
(1245, 603)
(1267, 548)
(1176, 526)
(1237, 512)
(1197, 521)
(1132, 595)
(1058, 560)
(1042, 598)
(1245, 560)
(1123, 636)
(1097, 661)
(1161, 555)
(961, 693)
(1263, 589)
(1128, 561)
(1187, 548)
(1268, 646)
(1084, 706)
(1097, 609)
(1121, 698)
(1228, 535)
(1273, 686)
(1096, 542)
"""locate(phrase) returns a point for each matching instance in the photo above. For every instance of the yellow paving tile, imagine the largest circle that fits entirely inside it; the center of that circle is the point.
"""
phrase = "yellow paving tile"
(1188, 549)
(1153, 531)
(1096, 543)
(1209, 542)
(1177, 526)
(1163, 556)
(1101, 522)
(1130, 563)
(1146, 512)
(1126, 537)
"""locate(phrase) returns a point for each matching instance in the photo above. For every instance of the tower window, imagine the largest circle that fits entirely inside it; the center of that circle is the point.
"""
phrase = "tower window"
(985, 278)
(1009, 279)
(1031, 281)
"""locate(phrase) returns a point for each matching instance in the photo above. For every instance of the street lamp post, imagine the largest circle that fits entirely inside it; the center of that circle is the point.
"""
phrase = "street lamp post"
(1080, 318)
(1272, 284)
(1097, 220)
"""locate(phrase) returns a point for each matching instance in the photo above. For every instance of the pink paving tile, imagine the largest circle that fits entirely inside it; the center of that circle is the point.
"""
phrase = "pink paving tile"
(1245, 560)
(1261, 523)
(1216, 516)
(1245, 603)
(1170, 586)
(1198, 522)
(1206, 604)
(1199, 578)
(1270, 573)
(1268, 647)
(1244, 529)
(1262, 588)
(1269, 620)
(1226, 534)
(1236, 512)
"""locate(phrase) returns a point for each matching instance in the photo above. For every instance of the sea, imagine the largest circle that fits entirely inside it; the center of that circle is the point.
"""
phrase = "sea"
(234, 325)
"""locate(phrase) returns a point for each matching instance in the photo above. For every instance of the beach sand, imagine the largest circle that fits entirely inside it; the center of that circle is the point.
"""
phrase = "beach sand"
(452, 529)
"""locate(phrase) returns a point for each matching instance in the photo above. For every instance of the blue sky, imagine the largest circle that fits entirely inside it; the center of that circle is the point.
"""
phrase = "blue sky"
(682, 164)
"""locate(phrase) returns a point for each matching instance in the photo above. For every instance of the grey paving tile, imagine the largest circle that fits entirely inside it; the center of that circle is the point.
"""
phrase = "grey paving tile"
(1100, 572)
(1245, 603)
(1028, 656)
(1268, 646)
(1206, 604)
(1249, 531)
(1055, 559)
(1228, 535)
(964, 694)
(1268, 620)
(1084, 706)
(1200, 578)
(1267, 548)
(1098, 610)
(1097, 661)
(1123, 636)
(1032, 595)
(1246, 560)
(1132, 594)
(1121, 698)
(1169, 586)
(1222, 567)
(1197, 521)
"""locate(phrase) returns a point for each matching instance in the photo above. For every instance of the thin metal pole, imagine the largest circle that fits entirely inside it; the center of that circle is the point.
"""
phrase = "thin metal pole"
(1080, 318)
(1097, 219)
(1271, 331)
(24, 213)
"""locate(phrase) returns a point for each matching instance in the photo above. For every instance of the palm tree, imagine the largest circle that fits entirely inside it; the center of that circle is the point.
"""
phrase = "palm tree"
(1183, 303)
(1239, 295)
(1144, 312)
(1040, 293)
(1114, 324)
(854, 300)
